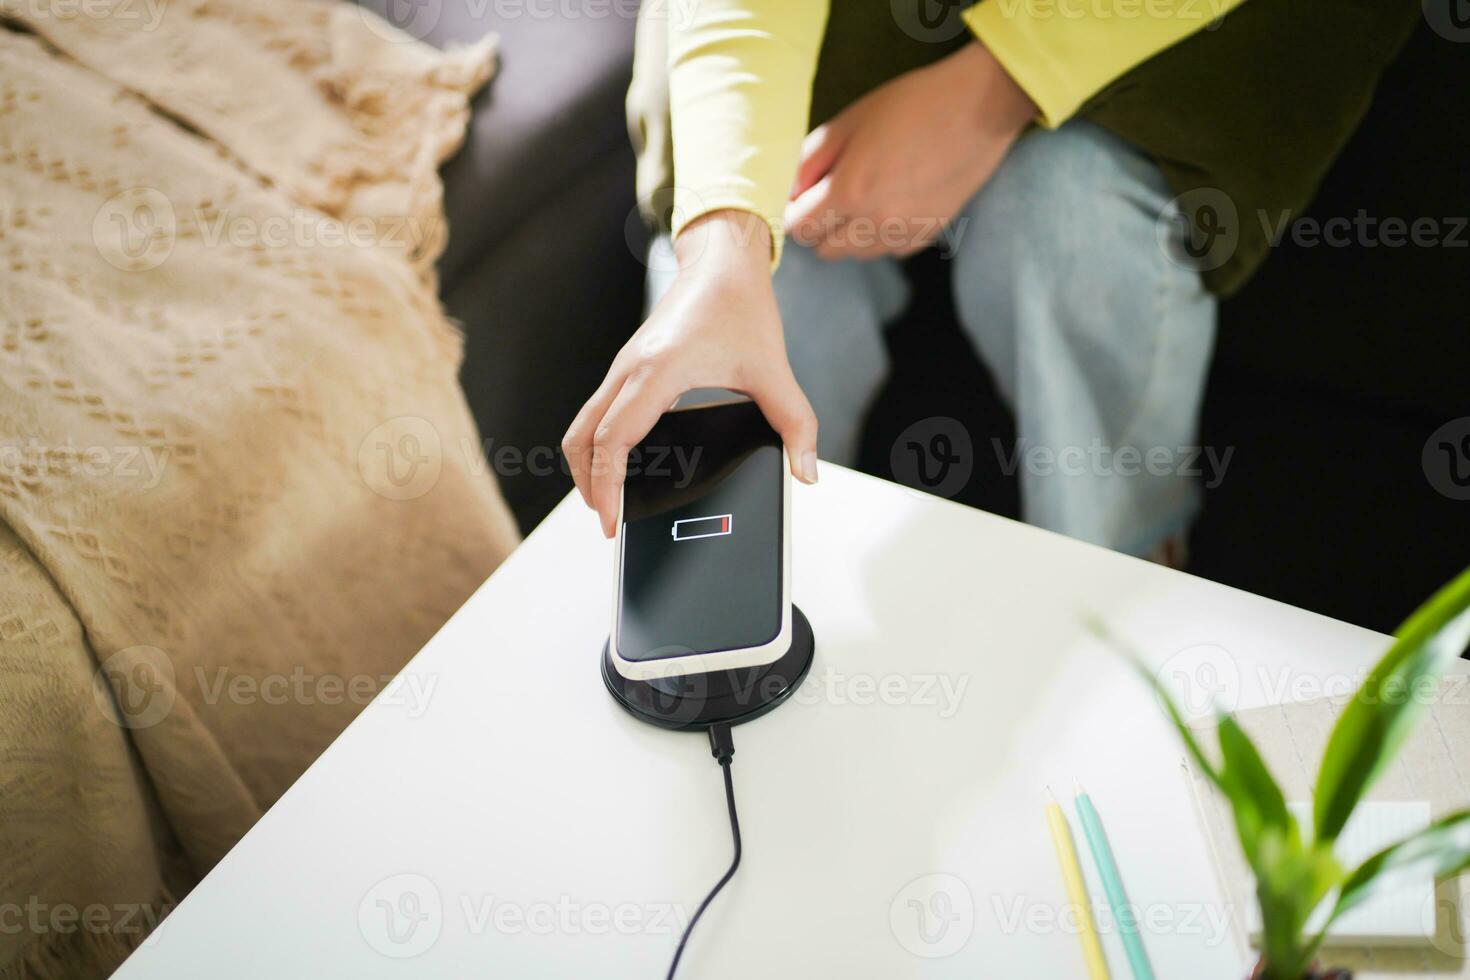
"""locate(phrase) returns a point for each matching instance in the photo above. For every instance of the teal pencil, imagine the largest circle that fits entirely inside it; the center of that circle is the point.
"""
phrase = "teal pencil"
(1107, 869)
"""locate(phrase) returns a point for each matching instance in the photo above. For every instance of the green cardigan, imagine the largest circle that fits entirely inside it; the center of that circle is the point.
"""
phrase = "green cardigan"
(1248, 113)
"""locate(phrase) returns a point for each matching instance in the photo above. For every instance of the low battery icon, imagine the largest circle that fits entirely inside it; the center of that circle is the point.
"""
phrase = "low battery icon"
(702, 527)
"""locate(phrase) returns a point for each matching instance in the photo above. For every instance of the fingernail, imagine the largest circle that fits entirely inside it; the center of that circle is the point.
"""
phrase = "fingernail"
(809, 467)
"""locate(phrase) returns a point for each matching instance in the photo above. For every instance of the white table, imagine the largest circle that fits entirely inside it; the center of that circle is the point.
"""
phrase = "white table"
(523, 826)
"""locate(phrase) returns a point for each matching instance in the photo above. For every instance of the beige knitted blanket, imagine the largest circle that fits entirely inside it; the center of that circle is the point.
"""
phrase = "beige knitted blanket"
(239, 485)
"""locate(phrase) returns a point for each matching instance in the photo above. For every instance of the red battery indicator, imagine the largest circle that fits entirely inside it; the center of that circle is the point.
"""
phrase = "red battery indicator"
(702, 527)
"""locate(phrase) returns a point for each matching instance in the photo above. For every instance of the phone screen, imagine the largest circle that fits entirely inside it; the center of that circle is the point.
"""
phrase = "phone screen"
(701, 535)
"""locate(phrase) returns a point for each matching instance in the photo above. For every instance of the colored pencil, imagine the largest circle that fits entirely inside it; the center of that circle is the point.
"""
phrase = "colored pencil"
(1107, 870)
(1061, 838)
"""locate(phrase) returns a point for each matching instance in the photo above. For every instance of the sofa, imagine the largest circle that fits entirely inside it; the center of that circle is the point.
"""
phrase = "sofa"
(543, 269)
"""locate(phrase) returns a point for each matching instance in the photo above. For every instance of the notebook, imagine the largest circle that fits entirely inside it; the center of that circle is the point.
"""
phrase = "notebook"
(1403, 916)
(1429, 779)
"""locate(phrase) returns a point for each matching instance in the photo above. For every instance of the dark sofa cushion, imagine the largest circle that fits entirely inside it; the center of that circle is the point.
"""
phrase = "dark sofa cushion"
(553, 109)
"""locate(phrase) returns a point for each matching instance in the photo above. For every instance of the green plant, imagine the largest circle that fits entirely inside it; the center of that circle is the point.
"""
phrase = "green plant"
(1295, 872)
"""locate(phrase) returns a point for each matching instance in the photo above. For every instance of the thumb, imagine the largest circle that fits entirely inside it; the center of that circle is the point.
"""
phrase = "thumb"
(812, 217)
(819, 151)
(785, 406)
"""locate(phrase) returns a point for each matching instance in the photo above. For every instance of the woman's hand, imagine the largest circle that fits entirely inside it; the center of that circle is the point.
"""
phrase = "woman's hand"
(717, 327)
(891, 170)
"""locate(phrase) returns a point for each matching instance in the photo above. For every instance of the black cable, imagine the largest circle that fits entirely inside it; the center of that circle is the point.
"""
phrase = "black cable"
(722, 747)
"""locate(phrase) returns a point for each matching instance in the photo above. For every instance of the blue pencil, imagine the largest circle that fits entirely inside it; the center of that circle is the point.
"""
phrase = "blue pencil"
(1107, 870)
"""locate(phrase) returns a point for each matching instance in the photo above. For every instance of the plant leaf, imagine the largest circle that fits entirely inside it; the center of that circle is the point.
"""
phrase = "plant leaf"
(1443, 848)
(1373, 726)
(1306, 884)
(1254, 795)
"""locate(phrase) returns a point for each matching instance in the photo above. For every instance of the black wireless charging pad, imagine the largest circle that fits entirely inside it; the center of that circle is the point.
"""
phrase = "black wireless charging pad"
(697, 701)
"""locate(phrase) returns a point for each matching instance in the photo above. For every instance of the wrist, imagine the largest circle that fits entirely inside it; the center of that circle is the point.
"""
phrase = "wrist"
(726, 242)
(997, 101)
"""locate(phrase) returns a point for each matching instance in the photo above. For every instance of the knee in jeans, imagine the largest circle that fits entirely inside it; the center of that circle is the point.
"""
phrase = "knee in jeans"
(1063, 265)
(1060, 204)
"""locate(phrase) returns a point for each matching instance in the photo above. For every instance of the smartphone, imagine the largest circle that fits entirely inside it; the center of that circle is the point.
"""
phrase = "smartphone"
(703, 546)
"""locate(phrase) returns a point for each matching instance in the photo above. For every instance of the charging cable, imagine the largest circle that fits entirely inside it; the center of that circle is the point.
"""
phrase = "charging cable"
(722, 747)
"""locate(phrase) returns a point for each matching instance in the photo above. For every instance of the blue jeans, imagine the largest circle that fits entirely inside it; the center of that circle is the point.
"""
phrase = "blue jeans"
(1095, 336)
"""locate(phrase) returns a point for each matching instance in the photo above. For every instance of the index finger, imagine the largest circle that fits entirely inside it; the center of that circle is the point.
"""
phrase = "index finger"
(576, 445)
(638, 405)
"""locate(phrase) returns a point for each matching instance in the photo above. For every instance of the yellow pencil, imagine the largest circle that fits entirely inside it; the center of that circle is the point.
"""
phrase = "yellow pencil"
(1061, 837)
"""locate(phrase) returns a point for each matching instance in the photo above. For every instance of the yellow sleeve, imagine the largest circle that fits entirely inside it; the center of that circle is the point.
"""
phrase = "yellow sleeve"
(1062, 52)
(740, 93)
